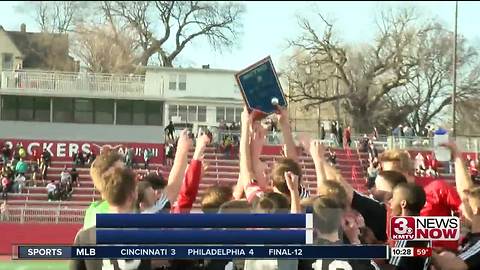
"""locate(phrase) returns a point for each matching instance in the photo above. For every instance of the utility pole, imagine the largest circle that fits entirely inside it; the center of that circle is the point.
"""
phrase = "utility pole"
(454, 90)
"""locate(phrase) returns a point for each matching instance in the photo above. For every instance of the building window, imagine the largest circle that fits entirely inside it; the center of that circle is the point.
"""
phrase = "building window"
(104, 111)
(220, 114)
(202, 114)
(83, 111)
(63, 110)
(238, 115)
(7, 61)
(182, 112)
(172, 82)
(42, 109)
(172, 111)
(9, 108)
(139, 117)
(154, 113)
(124, 112)
(192, 113)
(182, 82)
(230, 115)
(25, 108)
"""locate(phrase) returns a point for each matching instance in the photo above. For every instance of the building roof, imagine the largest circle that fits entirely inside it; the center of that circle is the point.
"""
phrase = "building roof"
(190, 69)
(43, 50)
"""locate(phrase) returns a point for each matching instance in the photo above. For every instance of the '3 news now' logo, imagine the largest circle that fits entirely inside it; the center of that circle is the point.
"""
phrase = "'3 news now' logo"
(425, 228)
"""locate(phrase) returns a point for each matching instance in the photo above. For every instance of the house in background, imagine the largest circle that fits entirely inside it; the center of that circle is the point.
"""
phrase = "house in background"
(41, 51)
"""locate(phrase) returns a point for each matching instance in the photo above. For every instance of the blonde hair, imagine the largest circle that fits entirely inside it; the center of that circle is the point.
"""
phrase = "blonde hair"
(401, 159)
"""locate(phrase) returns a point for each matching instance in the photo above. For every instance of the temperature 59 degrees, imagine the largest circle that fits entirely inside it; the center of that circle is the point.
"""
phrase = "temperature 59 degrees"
(422, 252)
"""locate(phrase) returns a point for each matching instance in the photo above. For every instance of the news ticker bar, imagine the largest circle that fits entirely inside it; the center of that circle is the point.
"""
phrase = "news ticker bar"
(203, 236)
(203, 252)
(205, 221)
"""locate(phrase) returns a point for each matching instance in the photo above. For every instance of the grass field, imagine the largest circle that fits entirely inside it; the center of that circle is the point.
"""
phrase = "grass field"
(7, 264)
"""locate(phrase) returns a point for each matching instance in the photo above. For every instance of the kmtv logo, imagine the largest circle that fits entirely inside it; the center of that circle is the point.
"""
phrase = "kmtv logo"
(425, 228)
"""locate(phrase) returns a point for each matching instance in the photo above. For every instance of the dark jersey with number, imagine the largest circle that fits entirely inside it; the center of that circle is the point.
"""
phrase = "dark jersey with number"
(409, 263)
(337, 264)
(88, 237)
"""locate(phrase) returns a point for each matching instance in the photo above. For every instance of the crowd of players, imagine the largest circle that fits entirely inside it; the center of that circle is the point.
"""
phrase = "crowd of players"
(342, 215)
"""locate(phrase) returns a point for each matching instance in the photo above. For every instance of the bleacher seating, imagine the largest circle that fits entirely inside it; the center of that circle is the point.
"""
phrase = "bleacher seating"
(222, 170)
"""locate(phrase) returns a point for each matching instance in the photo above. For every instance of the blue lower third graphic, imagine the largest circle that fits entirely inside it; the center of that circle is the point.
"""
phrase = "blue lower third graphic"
(204, 251)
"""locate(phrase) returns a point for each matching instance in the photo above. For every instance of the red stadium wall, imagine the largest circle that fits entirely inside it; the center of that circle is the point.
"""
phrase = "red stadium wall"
(63, 150)
(54, 234)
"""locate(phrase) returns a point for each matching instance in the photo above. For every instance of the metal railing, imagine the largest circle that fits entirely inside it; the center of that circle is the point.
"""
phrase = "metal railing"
(63, 82)
(26, 214)
(467, 144)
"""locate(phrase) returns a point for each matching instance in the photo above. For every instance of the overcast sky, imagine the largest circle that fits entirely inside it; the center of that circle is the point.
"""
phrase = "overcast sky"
(267, 25)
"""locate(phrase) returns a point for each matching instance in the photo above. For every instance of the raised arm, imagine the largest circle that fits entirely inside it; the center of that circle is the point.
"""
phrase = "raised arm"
(257, 140)
(292, 183)
(193, 176)
(287, 133)
(317, 152)
(177, 172)
(246, 169)
(463, 182)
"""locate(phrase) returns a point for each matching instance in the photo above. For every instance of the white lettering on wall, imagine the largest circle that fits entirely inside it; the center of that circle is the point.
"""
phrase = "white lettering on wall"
(86, 148)
(31, 146)
(61, 148)
(49, 148)
(72, 148)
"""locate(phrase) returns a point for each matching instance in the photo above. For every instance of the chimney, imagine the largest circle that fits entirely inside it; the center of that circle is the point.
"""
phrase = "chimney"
(206, 67)
(23, 28)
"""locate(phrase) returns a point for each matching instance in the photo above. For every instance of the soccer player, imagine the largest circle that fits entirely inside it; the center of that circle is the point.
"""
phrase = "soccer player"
(408, 200)
(118, 189)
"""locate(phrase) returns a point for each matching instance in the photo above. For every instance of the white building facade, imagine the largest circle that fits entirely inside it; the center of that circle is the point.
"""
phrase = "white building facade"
(109, 107)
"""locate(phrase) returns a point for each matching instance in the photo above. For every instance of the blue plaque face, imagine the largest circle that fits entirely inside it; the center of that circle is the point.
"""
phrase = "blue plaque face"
(260, 87)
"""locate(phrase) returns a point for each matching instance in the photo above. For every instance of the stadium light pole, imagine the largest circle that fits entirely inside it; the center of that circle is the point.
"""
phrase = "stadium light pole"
(454, 90)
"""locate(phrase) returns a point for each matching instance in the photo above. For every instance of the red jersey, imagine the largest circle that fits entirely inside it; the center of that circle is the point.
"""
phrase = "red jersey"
(441, 200)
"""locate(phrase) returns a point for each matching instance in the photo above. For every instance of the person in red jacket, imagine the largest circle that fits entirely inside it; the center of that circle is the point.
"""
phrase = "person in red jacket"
(348, 136)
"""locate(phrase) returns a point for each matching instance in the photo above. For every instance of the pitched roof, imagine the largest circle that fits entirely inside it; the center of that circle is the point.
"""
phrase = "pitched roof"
(42, 50)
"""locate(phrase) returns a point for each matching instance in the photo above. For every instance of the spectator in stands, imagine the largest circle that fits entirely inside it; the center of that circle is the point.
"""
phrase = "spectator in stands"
(348, 136)
(147, 155)
(334, 132)
(375, 134)
(46, 159)
(90, 157)
(331, 157)
(419, 165)
(6, 185)
(129, 158)
(364, 142)
(473, 169)
(6, 154)
(22, 152)
(66, 180)
(35, 169)
(36, 156)
(169, 154)
(52, 191)
(340, 135)
(431, 164)
(322, 132)
(372, 152)
(21, 167)
(78, 158)
(372, 172)
(19, 183)
(75, 177)
(170, 131)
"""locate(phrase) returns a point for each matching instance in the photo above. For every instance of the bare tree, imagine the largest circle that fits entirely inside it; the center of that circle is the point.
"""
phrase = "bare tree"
(429, 89)
(365, 75)
(104, 51)
(181, 22)
(58, 16)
